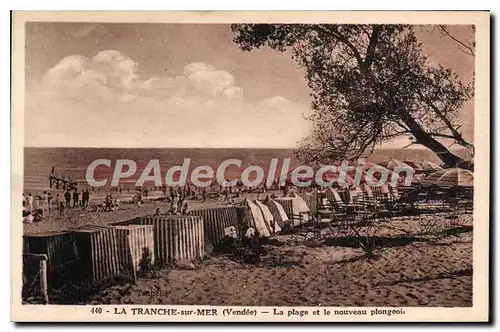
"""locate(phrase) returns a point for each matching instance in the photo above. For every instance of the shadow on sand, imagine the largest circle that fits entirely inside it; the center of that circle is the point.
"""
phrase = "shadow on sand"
(458, 273)
(392, 241)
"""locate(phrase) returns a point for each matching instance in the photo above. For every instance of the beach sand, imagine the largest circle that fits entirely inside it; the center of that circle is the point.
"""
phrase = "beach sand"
(299, 270)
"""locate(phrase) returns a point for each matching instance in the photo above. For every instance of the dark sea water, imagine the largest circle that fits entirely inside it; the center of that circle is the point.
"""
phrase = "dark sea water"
(73, 162)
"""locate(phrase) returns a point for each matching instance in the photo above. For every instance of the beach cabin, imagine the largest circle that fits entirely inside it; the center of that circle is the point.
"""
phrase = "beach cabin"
(215, 221)
(177, 239)
(98, 254)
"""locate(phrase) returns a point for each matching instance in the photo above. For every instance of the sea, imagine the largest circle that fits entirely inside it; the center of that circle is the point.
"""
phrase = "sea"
(72, 163)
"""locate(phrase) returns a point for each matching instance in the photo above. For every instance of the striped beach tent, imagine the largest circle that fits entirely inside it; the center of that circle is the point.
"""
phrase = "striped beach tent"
(272, 226)
(287, 204)
(300, 207)
(257, 219)
(278, 212)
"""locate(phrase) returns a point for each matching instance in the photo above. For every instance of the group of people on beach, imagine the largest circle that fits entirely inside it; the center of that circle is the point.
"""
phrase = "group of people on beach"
(176, 197)
(34, 206)
(178, 204)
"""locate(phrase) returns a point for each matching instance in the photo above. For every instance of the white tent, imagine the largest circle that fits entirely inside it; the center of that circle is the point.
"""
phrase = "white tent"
(300, 208)
(278, 212)
(272, 226)
(258, 219)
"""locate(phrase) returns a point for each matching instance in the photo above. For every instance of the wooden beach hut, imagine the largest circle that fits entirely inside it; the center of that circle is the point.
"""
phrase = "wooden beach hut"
(136, 249)
(98, 254)
(60, 251)
(177, 239)
(215, 221)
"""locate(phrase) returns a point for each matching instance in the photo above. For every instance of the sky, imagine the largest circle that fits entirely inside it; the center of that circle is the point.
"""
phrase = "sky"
(175, 85)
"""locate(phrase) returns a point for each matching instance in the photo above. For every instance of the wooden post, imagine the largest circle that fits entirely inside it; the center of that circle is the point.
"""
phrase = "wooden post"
(43, 279)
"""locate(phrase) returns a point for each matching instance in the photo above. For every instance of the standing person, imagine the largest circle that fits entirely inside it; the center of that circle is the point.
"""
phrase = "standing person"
(139, 199)
(164, 191)
(173, 204)
(57, 200)
(75, 198)
(204, 194)
(49, 201)
(185, 208)
(82, 196)
(67, 197)
(179, 205)
(116, 203)
(31, 202)
(87, 197)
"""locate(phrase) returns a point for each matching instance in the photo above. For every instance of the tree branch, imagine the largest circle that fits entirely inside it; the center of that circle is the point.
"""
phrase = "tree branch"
(456, 135)
(470, 49)
(442, 135)
(345, 41)
(370, 51)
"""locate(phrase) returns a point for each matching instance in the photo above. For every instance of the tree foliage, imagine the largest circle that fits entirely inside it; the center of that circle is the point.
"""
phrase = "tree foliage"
(369, 84)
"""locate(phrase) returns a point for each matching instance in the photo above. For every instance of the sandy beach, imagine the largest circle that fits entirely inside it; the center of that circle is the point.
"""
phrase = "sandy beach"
(409, 269)
(301, 271)
(76, 217)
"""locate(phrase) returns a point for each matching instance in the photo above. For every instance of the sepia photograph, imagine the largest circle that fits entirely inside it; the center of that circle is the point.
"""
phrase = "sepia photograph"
(263, 166)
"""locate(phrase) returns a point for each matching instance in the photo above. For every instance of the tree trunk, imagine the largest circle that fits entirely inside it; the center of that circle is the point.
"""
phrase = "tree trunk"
(446, 156)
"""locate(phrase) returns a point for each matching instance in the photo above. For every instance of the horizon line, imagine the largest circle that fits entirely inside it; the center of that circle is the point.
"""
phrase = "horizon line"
(195, 147)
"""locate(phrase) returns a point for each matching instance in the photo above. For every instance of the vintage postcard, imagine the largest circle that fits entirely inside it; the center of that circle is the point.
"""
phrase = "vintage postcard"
(250, 166)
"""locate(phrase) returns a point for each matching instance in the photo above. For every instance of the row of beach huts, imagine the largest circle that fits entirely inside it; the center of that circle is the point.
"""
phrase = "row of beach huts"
(96, 254)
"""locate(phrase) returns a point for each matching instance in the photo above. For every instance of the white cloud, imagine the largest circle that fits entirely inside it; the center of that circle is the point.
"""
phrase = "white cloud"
(197, 66)
(118, 69)
(102, 101)
(233, 92)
